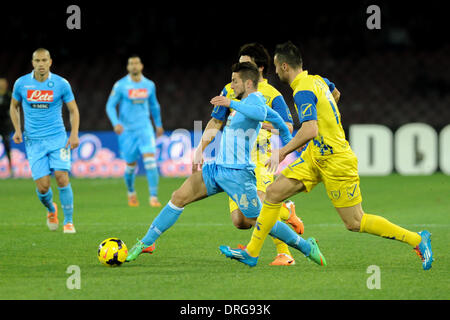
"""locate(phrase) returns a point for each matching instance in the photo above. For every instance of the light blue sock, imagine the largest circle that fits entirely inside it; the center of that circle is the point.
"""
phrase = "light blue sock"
(66, 198)
(165, 219)
(129, 177)
(152, 175)
(283, 232)
(47, 199)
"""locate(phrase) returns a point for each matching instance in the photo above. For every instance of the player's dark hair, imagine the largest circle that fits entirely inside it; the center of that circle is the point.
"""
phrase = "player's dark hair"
(288, 53)
(247, 71)
(258, 53)
(134, 56)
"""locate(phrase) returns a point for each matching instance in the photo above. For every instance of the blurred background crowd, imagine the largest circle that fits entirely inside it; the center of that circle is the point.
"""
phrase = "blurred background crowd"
(392, 76)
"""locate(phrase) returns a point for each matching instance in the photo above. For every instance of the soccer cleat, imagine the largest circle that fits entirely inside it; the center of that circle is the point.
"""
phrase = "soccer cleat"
(136, 251)
(69, 228)
(132, 200)
(154, 202)
(149, 249)
(315, 254)
(240, 255)
(283, 259)
(424, 251)
(52, 219)
(294, 220)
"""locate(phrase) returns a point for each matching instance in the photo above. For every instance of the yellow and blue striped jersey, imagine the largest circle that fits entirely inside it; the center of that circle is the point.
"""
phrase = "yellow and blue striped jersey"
(314, 101)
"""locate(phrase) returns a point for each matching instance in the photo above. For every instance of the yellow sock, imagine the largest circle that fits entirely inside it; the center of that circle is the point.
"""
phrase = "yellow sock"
(380, 226)
(284, 213)
(265, 222)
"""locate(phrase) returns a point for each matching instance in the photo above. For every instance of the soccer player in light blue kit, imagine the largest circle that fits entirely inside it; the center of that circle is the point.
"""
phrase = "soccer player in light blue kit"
(233, 169)
(42, 94)
(136, 96)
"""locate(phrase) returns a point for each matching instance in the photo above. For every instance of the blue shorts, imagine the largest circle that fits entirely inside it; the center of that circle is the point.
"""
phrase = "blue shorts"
(133, 143)
(47, 155)
(239, 184)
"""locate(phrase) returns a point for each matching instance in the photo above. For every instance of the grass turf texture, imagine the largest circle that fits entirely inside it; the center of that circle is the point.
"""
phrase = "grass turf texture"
(187, 263)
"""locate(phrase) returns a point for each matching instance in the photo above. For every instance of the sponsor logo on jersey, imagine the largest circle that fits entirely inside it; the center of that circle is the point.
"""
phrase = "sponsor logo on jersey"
(40, 95)
(40, 99)
(137, 93)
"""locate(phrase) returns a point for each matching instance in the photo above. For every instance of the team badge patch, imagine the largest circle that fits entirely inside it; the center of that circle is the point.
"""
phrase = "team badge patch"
(335, 194)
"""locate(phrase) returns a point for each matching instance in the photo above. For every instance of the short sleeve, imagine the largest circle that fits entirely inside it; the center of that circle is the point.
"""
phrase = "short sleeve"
(67, 92)
(330, 84)
(280, 106)
(16, 91)
(306, 105)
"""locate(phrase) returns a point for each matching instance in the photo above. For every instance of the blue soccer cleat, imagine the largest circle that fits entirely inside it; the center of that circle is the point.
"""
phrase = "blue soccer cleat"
(240, 255)
(424, 251)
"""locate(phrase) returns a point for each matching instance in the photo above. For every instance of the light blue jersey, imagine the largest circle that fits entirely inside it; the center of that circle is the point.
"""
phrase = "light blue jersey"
(42, 104)
(242, 128)
(137, 101)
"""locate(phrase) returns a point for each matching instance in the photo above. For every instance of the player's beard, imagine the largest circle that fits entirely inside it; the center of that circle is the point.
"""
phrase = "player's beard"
(240, 95)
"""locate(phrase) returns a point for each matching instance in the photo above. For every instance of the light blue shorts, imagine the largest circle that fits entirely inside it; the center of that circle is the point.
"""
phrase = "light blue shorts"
(47, 155)
(239, 184)
(133, 143)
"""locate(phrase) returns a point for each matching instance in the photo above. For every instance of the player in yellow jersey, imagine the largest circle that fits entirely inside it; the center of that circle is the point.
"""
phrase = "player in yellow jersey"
(328, 158)
(257, 54)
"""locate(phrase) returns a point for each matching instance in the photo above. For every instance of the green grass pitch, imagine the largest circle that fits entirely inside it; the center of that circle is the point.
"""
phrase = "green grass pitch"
(187, 264)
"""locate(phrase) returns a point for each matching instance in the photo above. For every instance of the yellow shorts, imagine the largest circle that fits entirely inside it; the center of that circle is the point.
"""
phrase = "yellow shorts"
(339, 173)
(263, 177)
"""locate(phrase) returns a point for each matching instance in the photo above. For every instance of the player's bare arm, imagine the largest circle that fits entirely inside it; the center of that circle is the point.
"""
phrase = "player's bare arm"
(14, 113)
(308, 131)
(213, 126)
(336, 94)
(271, 128)
(73, 140)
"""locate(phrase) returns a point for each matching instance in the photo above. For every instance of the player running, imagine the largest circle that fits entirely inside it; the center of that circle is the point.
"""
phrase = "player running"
(328, 158)
(233, 170)
(257, 54)
(136, 96)
(42, 94)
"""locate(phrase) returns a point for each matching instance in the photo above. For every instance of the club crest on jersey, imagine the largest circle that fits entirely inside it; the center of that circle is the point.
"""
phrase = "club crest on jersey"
(40, 99)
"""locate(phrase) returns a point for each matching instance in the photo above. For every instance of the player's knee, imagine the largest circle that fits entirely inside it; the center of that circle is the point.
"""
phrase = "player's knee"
(273, 194)
(239, 220)
(353, 225)
(43, 188)
(179, 198)
(62, 179)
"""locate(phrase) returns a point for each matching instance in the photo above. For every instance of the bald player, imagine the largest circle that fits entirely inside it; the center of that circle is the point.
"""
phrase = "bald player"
(41, 95)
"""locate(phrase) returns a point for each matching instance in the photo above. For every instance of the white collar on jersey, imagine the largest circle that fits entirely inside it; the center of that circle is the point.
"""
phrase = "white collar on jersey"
(49, 75)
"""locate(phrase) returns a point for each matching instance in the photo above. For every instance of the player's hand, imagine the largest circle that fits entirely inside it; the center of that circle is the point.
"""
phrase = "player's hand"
(159, 131)
(118, 128)
(275, 159)
(17, 137)
(73, 141)
(220, 101)
(197, 161)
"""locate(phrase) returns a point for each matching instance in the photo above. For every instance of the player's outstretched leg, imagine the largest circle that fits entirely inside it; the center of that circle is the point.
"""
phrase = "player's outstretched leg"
(193, 189)
(165, 219)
